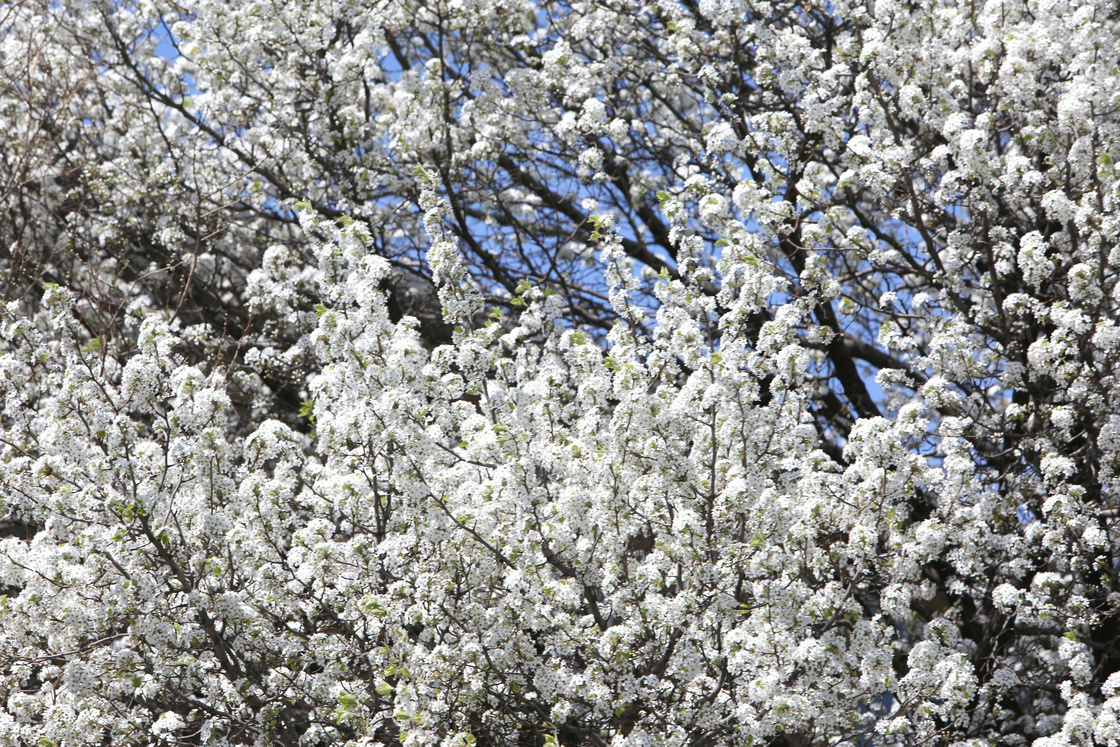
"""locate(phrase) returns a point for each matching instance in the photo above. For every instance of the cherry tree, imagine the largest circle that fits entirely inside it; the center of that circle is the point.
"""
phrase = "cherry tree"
(555, 374)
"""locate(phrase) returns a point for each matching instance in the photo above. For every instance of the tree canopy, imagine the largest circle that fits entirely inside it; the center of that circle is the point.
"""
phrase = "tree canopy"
(557, 374)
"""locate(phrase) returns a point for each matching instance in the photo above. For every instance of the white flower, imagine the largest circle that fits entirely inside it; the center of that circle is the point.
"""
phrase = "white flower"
(713, 207)
(168, 723)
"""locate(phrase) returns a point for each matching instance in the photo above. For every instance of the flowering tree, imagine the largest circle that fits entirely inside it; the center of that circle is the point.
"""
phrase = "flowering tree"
(450, 372)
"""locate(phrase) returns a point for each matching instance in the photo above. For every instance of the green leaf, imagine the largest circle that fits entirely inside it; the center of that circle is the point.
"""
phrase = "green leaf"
(664, 274)
(304, 204)
(723, 242)
(346, 220)
(373, 607)
(596, 220)
(320, 309)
